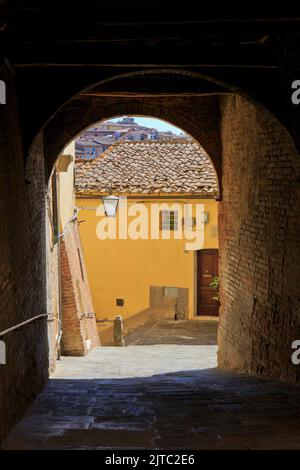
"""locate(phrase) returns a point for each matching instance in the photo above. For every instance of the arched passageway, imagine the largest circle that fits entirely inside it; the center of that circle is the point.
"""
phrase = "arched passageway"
(258, 169)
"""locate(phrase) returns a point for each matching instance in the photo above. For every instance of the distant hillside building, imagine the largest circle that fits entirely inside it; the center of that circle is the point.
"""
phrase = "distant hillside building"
(127, 120)
(96, 139)
(90, 149)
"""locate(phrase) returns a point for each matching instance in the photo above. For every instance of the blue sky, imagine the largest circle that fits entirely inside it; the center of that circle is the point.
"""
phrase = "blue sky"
(152, 122)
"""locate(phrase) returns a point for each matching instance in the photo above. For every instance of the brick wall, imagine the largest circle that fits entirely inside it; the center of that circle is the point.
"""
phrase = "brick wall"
(22, 266)
(28, 268)
(259, 238)
(259, 223)
(79, 326)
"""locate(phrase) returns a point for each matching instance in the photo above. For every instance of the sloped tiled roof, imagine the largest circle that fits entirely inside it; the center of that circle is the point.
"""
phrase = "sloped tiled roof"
(148, 167)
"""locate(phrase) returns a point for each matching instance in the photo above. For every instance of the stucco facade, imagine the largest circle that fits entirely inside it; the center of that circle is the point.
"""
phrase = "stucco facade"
(127, 269)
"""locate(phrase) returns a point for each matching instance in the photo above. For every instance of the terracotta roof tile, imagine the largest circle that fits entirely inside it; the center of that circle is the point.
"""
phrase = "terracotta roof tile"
(148, 167)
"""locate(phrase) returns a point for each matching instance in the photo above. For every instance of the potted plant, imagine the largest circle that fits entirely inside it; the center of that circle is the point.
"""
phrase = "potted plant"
(214, 283)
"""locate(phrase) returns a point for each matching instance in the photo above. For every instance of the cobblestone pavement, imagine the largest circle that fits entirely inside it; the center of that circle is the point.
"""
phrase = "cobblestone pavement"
(163, 396)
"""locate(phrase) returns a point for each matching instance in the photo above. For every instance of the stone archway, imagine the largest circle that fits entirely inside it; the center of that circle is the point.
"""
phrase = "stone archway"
(258, 160)
(85, 111)
(247, 157)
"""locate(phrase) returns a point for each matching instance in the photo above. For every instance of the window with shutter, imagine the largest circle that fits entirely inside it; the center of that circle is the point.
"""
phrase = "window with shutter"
(168, 220)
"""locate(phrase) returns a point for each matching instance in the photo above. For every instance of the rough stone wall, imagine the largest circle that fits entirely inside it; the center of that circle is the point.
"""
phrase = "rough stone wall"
(259, 224)
(78, 319)
(22, 266)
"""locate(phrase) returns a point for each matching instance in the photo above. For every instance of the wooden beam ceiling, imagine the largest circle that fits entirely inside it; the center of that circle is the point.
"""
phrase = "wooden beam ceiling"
(131, 33)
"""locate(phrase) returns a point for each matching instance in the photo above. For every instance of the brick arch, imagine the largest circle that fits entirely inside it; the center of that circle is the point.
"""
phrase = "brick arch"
(201, 120)
(67, 127)
(258, 216)
(73, 116)
(222, 86)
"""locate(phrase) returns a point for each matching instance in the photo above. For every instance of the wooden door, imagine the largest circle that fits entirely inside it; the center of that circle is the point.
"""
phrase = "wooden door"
(207, 268)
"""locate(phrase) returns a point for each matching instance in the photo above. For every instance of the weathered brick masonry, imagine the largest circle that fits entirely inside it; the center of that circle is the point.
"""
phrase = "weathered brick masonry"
(23, 266)
(259, 224)
(199, 116)
(79, 324)
(259, 217)
(29, 276)
(259, 240)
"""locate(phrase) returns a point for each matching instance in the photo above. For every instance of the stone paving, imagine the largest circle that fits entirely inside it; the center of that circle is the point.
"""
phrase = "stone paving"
(165, 396)
(201, 332)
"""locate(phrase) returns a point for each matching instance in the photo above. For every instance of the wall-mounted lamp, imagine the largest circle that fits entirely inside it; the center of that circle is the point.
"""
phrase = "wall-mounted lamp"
(110, 204)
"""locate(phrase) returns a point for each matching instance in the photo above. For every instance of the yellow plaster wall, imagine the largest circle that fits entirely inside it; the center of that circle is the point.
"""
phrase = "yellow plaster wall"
(65, 180)
(127, 268)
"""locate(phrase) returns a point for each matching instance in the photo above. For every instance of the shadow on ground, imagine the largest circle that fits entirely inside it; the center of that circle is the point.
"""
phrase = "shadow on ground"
(187, 409)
